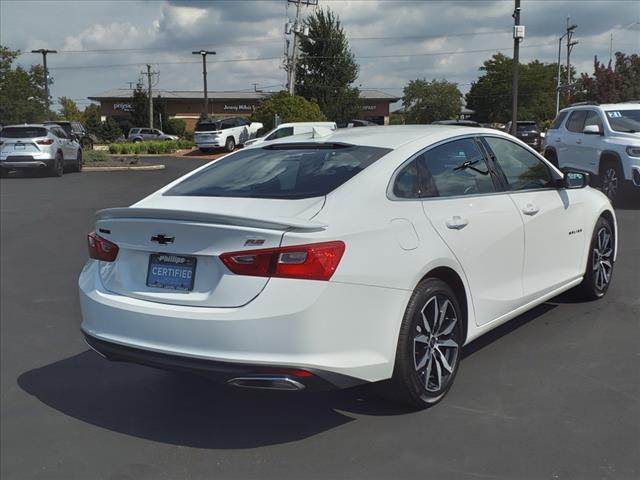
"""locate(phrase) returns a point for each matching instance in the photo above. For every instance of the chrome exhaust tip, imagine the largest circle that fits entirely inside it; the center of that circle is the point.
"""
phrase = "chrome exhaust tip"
(266, 383)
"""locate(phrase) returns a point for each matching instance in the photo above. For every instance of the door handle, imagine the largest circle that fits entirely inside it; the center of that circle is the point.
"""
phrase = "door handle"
(557, 140)
(578, 141)
(457, 222)
(530, 209)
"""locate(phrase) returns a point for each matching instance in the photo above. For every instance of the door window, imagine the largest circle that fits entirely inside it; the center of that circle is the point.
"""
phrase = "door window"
(593, 119)
(521, 169)
(558, 121)
(455, 168)
(576, 121)
(280, 133)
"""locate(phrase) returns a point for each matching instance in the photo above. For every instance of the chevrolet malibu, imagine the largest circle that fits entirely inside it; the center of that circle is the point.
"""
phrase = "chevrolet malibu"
(364, 255)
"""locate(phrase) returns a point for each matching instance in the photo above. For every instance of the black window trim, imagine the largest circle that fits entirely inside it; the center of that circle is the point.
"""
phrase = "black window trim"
(495, 176)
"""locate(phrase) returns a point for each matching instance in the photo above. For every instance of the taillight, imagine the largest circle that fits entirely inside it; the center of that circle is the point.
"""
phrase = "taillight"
(101, 248)
(45, 141)
(315, 261)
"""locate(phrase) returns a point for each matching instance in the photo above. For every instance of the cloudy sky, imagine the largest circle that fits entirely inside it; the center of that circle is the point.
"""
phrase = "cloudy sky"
(104, 45)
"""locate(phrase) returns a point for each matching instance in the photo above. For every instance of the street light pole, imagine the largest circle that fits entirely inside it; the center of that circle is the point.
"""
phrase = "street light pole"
(44, 53)
(204, 54)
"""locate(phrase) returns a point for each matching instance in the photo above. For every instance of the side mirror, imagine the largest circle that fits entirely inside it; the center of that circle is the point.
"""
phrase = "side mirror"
(592, 130)
(575, 179)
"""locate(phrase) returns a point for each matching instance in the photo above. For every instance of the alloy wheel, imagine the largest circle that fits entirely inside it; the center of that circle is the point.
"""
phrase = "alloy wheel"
(602, 258)
(610, 182)
(435, 346)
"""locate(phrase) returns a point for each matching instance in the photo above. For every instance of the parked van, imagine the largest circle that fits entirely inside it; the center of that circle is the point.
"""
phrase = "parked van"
(289, 129)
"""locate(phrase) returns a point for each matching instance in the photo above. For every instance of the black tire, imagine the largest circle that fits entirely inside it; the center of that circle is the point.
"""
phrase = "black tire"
(552, 157)
(136, 140)
(77, 167)
(429, 347)
(599, 270)
(230, 144)
(612, 180)
(57, 167)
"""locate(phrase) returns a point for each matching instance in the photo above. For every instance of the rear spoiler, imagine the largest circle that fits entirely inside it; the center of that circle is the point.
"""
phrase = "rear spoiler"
(274, 223)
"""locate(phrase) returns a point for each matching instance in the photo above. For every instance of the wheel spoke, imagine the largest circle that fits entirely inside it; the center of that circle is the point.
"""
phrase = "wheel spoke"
(427, 372)
(448, 343)
(421, 339)
(449, 328)
(438, 375)
(423, 360)
(443, 361)
(436, 313)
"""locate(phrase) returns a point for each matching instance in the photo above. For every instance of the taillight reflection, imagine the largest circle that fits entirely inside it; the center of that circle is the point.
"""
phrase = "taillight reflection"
(45, 141)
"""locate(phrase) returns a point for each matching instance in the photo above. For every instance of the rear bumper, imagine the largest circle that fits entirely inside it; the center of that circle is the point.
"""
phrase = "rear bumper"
(340, 330)
(13, 162)
(211, 144)
(222, 372)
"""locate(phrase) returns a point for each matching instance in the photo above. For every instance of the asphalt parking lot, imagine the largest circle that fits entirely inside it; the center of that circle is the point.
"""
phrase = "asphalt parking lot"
(554, 394)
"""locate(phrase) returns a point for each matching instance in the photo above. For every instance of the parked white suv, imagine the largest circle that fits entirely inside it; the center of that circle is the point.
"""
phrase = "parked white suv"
(290, 129)
(603, 140)
(225, 132)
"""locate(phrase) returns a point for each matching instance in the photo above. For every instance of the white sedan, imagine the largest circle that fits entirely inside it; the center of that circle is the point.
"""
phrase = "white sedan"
(367, 255)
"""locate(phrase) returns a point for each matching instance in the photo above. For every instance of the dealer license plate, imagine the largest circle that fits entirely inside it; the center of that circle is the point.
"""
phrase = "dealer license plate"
(174, 272)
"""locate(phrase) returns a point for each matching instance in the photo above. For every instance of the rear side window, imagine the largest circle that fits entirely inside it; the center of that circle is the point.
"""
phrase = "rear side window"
(576, 121)
(286, 171)
(280, 133)
(522, 169)
(558, 121)
(228, 123)
(455, 168)
(23, 132)
(208, 127)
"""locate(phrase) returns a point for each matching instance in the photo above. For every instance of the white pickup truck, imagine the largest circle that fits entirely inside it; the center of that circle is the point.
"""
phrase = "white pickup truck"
(224, 132)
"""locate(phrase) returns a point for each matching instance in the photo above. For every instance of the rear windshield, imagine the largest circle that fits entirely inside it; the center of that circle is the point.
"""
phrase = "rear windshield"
(208, 127)
(527, 126)
(282, 171)
(23, 132)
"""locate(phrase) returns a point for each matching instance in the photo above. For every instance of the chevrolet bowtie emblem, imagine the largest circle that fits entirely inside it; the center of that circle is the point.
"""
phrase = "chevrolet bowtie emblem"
(162, 239)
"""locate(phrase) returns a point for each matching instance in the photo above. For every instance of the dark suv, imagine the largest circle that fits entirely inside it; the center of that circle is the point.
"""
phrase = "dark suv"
(527, 131)
(76, 131)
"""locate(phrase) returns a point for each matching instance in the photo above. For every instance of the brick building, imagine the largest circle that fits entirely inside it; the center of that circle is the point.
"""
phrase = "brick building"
(188, 105)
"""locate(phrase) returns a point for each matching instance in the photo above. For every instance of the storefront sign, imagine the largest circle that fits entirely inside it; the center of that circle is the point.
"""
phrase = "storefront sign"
(239, 108)
(123, 107)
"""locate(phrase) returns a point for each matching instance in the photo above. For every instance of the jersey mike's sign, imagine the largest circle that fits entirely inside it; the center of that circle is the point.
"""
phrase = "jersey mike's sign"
(239, 108)
(123, 107)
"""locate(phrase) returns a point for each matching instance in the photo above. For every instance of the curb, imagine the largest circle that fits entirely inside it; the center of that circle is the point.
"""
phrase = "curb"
(122, 169)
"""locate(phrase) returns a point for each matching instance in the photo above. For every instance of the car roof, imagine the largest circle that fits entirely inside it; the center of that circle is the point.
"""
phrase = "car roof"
(394, 136)
(606, 106)
(41, 125)
(305, 124)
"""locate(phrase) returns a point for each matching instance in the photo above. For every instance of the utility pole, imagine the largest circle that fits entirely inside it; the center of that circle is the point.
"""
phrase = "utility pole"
(149, 73)
(570, 46)
(294, 52)
(558, 79)
(44, 53)
(518, 34)
(204, 54)
(297, 29)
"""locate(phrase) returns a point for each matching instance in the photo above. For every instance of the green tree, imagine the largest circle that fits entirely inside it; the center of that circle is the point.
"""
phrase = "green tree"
(426, 102)
(175, 126)
(615, 83)
(91, 119)
(69, 110)
(290, 108)
(22, 96)
(327, 69)
(140, 104)
(490, 96)
(109, 131)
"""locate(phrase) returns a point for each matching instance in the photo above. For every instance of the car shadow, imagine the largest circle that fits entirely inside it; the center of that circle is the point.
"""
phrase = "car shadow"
(189, 410)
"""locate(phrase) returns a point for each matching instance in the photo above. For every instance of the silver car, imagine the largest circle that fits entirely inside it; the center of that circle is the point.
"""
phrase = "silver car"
(46, 147)
(148, 134)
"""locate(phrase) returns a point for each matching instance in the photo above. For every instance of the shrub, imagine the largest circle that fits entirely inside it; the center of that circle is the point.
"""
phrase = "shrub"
(114, 148)
(175, 126)
(152, 148)
(97, 156)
